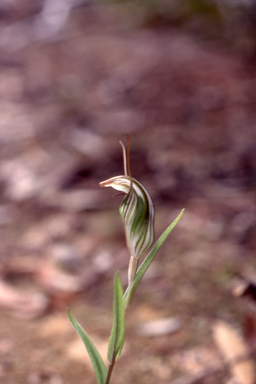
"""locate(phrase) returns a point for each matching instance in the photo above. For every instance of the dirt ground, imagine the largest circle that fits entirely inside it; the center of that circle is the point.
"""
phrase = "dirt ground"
(68, 97)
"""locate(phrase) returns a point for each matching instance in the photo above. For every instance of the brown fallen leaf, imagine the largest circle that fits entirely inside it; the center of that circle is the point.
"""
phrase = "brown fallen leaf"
(26, 305)
(159, 327)
(235, 352)
(246, 287)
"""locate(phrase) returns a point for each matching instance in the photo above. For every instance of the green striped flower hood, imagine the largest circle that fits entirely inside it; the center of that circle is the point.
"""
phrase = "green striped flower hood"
(136, 210)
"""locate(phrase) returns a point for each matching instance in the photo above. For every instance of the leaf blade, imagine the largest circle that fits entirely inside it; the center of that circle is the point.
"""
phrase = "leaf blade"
(97, 362)
(148, 260)
(116, 340)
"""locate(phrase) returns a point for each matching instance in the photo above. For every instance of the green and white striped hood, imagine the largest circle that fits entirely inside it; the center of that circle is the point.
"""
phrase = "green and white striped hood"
(137, 212)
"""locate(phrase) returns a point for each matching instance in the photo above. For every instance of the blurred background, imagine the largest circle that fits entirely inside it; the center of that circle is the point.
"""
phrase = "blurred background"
(180, 77)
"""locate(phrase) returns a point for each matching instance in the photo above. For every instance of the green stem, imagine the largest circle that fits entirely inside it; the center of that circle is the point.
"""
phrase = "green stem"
(110, 370)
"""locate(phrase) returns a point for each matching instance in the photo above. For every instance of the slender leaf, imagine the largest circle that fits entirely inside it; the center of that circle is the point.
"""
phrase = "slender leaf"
(116, 340)
(97, 362)
(148, 260)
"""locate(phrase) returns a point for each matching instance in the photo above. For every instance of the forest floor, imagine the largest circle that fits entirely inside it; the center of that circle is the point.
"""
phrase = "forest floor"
(189, 106)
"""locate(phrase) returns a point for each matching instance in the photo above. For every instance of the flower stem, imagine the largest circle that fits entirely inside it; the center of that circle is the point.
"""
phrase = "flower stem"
(110, 369)
(133, 265)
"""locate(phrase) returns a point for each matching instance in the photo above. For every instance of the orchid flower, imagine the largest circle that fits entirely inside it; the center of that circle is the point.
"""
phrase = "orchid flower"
(137, 212)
